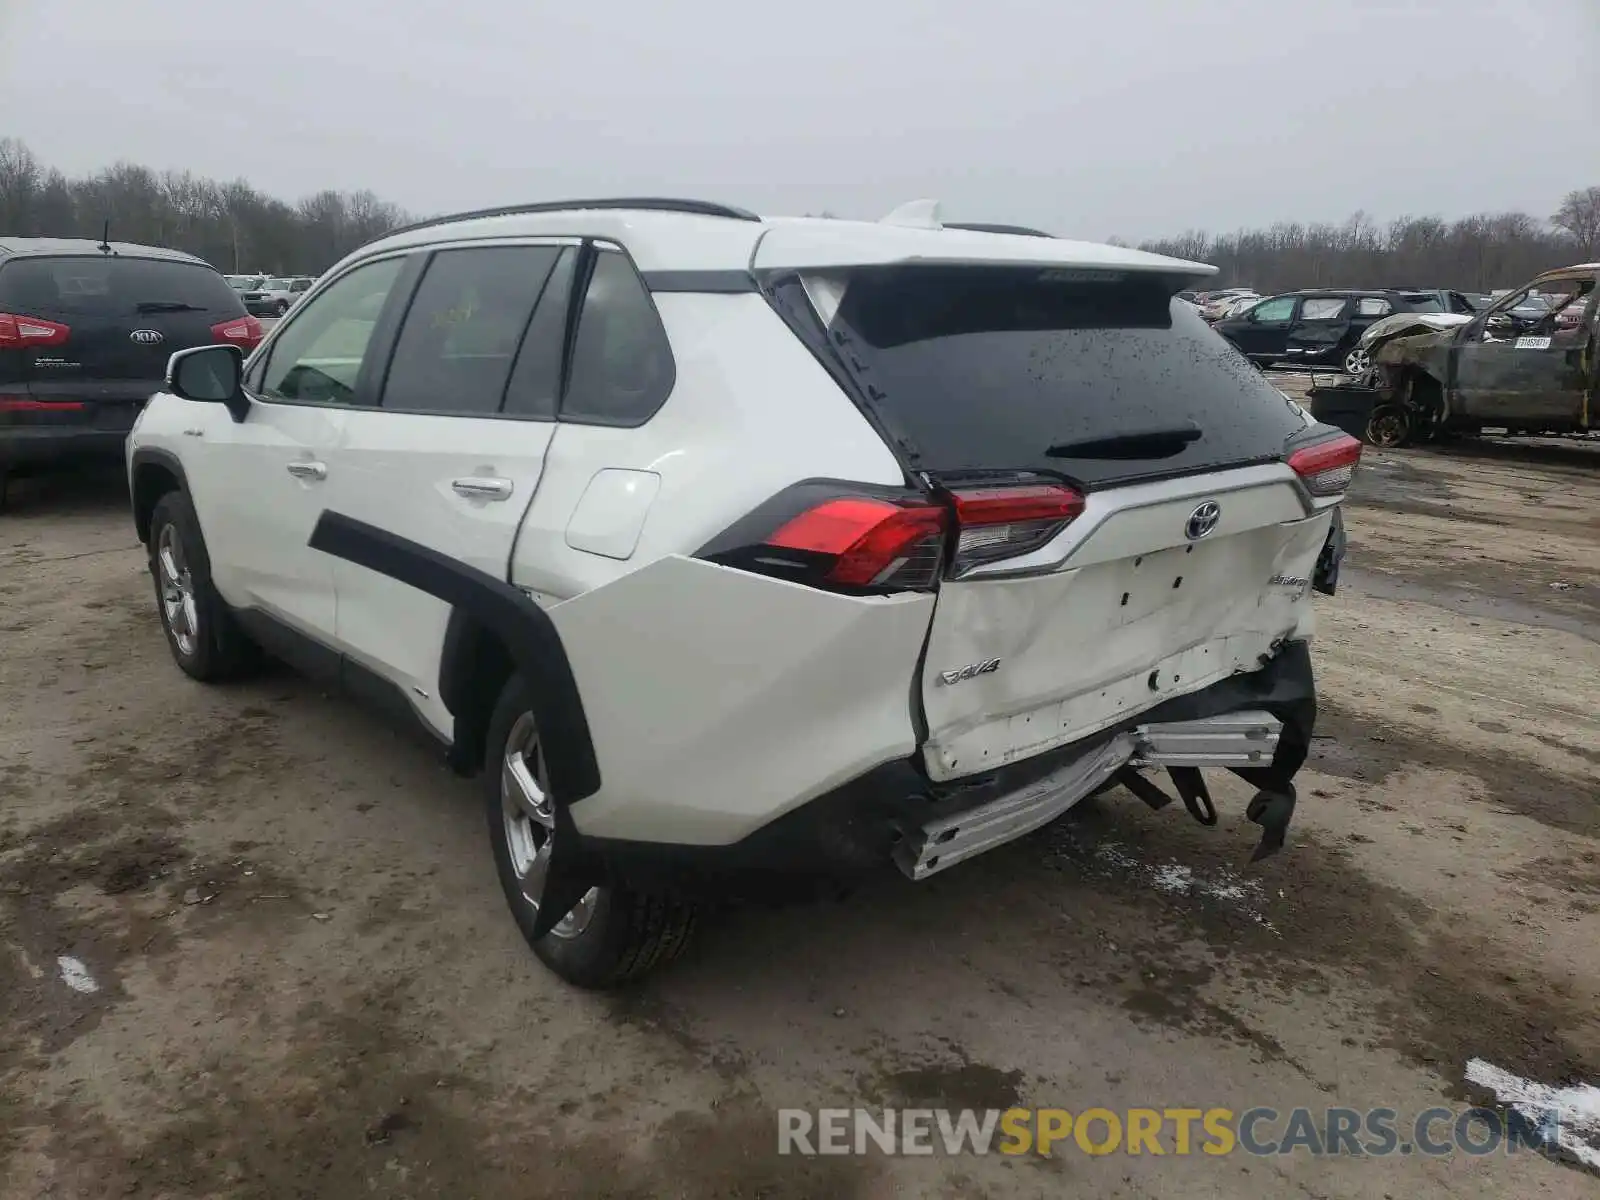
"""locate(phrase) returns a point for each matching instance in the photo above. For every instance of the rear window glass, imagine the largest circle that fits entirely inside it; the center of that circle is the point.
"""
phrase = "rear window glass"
(1424, 302)
(43, 286)
(1003, 369)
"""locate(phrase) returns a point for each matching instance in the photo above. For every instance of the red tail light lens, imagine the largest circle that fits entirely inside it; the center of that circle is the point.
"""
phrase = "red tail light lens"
(1327, 468)
(874, 543)
(21, 333)
(244, 332)
(1002, 522)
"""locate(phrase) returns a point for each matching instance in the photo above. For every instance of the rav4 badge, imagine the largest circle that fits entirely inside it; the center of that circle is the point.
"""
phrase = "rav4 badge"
(986, 667)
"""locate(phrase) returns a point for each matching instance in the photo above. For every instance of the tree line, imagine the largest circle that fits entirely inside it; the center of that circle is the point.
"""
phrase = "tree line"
(231, 225)
(1473, 254)
(236, 228)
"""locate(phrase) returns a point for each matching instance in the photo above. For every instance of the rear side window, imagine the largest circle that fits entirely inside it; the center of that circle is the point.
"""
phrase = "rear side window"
(114, 286)
(993, 369)
(464, 327)
(1322, 308)
(1427, 302)
(622, 369)
(1373, 306)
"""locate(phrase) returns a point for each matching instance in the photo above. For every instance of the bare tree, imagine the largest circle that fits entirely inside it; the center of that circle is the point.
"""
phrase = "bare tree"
(1579, 215)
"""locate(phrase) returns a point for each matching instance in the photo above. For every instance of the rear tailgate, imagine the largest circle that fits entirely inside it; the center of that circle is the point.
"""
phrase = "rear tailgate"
(123, 318)
(1184, 553)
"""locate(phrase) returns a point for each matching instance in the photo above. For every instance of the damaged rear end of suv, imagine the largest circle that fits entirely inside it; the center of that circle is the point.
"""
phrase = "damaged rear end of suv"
(839, 547)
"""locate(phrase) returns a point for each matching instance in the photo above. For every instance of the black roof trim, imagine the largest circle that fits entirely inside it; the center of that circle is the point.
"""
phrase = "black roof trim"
(698, 208)
(984, 227)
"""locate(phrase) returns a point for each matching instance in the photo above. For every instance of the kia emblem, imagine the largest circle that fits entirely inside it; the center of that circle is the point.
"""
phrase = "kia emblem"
(1202, 520)
(146, 337)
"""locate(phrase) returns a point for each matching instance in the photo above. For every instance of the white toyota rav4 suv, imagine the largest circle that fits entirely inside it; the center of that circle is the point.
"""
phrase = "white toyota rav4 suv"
(741, 555)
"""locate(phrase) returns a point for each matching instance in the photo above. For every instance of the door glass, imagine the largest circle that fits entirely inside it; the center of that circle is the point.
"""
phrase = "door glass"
(1373, 306)
(316, 359)
(464, 327)
(536, 379)
(1281, 309)
(622, 369)
(1323, 308)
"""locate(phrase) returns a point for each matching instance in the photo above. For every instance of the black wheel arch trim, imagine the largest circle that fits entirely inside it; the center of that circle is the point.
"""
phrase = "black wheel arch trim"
(146, 456)
(526, 630)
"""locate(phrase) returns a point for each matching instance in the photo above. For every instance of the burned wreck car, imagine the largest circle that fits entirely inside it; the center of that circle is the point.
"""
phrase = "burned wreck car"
(1509, 368)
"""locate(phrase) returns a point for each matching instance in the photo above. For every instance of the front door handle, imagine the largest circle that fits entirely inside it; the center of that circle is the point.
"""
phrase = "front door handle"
(482, 487)
(308, 470)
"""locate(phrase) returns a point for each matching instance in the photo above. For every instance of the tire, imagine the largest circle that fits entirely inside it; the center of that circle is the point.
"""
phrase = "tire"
(1357, 363)
(205, 641)
(614, 935)
(282, 307)
(1388, 426)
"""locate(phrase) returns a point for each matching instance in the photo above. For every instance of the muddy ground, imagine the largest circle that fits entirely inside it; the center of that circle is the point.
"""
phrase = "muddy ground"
(305, 982)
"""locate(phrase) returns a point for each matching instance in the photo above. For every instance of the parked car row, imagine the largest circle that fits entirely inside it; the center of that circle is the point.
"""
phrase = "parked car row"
(1323, 327)
(1527, 364)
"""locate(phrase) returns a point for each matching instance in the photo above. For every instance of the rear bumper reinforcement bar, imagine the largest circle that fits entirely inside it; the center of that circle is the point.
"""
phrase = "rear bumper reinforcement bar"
(1241, 739)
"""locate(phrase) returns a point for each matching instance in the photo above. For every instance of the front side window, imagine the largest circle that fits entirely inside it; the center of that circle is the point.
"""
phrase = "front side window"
(318, 356)
(464, 328)
(1281, 309)
(1323, 308)
(622, 369)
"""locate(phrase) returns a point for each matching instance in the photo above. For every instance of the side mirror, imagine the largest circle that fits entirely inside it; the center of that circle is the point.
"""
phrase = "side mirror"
(210, 375)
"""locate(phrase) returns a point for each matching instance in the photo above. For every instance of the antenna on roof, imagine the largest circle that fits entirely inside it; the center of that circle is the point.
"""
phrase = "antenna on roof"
(918, 214)
(105, 238)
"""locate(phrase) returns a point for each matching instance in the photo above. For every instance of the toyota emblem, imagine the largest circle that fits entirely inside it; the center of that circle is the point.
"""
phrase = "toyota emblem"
(1202, 520)
(146, 337)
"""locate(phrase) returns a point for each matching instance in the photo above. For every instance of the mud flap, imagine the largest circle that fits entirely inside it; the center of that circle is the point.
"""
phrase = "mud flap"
(535, 647)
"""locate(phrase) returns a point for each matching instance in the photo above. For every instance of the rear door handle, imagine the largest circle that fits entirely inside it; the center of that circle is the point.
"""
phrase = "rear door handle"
(308, 470)
(482, 487)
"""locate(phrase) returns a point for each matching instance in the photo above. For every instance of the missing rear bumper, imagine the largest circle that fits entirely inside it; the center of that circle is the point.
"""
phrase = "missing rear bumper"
(1246, 739)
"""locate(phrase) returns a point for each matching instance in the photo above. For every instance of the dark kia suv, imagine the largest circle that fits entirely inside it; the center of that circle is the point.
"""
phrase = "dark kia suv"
(86, 329)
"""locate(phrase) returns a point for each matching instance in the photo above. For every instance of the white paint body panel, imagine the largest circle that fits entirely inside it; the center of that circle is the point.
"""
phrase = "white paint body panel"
(720, 700)
(612, 511)
(751, 413)
(254, 515)
(1130, 595)
(396, 470)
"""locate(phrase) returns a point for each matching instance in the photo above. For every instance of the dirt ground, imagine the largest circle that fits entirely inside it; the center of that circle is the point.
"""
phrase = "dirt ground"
(251, 942)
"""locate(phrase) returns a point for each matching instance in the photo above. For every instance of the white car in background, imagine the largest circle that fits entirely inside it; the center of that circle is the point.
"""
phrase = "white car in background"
(275, 296)
(739, 554)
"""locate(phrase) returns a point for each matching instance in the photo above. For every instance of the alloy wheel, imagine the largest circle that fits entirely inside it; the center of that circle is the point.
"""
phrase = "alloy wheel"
(178, 602)
(530, 824)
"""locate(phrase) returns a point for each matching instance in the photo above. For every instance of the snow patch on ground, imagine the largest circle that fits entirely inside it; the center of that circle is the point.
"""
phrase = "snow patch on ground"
(76, 976)
(1568, 1117)
(1177, 879)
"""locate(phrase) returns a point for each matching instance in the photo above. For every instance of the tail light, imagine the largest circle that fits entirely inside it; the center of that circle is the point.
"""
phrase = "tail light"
(1002, 522)
(244, 332)
(1327, 467)
(869, 543)
(818, 534)
(22, 333)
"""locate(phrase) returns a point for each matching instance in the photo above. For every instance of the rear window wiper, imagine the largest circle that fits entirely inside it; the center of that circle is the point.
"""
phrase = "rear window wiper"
(1143, 443)
(158, 306)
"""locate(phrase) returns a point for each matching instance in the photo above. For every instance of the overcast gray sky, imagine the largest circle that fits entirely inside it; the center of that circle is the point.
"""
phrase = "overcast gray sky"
(1111, 117)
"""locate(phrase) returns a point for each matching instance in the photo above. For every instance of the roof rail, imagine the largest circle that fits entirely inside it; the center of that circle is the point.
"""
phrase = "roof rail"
(701, 208)
(984, 227)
